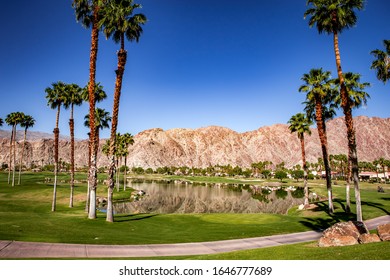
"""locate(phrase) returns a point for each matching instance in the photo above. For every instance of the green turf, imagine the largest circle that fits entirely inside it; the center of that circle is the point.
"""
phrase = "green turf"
(25, 215)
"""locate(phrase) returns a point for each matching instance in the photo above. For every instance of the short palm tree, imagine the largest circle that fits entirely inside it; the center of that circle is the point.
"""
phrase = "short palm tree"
(100, 95)
(332, 17)
(27, 122)
(13, 119)
(300, 124)
(102, 120)
(357, 97)
(119, 23)
(381, 64)
(127, 139)
(318, 86)
(72, 97)
(55, 99)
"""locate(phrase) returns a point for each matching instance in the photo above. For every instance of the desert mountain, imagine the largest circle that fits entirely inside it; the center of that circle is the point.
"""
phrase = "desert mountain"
(214, 145)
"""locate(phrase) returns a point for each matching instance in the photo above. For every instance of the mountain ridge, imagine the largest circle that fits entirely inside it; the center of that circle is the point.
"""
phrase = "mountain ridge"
(213, 145)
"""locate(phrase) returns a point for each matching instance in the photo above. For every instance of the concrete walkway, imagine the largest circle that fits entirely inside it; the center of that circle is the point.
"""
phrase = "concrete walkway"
(17, 249)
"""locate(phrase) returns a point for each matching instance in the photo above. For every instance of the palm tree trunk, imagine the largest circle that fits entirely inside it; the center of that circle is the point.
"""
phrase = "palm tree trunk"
(352, 151)
(348, 188)
(306, 203)
(122, 56)
(21, 156)
(14, 158)
(324, 148)
(71, 126)
(124, 176)
(10, 154)
(92, 178)
(56, 137)
(88, 188)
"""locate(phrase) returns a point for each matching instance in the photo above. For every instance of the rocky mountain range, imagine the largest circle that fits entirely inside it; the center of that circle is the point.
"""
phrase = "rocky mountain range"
(214, 145)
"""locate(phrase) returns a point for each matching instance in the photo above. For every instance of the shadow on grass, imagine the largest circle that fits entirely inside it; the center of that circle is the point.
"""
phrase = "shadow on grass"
(133, 217)
(320, 224)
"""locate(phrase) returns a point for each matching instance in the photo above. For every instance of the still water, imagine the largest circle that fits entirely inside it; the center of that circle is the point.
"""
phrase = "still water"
(183, 197)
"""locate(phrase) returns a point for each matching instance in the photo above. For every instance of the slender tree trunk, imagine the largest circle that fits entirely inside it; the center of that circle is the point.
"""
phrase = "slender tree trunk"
(10, 154)
(14, 158)
(71, 126)
(124, 177)
(352, 150)
(91, 93)
(324, 148)
(88, 188)
(56, 138)
(305, 187)
(348, 188)
(21, 156)
(122, 56)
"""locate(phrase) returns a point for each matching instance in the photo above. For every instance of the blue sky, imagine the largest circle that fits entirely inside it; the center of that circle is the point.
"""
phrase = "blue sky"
(236, 64)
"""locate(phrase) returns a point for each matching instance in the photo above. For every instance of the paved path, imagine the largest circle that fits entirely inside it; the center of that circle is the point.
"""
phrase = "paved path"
(17, 249)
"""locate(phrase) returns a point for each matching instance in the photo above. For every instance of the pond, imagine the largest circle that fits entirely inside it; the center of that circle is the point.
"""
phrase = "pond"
(184, 197)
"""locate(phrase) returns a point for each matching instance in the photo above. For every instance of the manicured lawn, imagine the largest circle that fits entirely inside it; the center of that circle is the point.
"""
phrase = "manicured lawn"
(25, 216)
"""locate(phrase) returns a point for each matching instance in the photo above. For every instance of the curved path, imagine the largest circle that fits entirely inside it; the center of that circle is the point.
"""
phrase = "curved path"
(17, 249)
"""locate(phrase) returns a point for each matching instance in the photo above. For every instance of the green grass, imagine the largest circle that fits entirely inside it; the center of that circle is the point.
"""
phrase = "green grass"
(25, 215)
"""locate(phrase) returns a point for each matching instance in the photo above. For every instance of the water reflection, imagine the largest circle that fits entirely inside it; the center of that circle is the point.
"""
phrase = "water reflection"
(184, 197)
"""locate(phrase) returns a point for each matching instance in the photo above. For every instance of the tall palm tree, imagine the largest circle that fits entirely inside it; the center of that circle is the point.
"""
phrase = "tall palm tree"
(55, 99)
(357, 97)
(382, 62)
(13, 119)
(27, 122)
(318, 87)
(300, 124)
(100, 95)
(332, 17)
(118, 23)
(102, 120)
(72, 97)
(88, 12)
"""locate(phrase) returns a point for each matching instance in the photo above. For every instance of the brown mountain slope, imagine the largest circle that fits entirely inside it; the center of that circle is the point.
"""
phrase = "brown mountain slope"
(218, 145)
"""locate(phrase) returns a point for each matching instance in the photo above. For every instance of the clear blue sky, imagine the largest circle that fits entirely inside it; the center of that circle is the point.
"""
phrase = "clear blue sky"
(230, 63)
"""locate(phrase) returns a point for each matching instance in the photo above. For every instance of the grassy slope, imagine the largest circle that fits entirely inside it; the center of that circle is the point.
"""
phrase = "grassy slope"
(25, 215)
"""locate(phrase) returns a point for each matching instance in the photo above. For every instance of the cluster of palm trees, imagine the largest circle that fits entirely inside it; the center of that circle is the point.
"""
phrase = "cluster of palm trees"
(116, 19)
(65, 95)
(26, 121)
(324, 95)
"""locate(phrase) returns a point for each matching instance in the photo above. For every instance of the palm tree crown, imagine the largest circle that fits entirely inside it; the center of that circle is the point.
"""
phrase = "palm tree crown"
(119, 21)
(332, 16)
(300, 124)
(318, 84)
(102, 119)
(27, 122)
(355, 90)
(382, 62)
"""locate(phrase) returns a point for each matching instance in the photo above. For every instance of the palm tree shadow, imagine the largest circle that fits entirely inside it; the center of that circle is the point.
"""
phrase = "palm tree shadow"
(133, 217)
(377, 205)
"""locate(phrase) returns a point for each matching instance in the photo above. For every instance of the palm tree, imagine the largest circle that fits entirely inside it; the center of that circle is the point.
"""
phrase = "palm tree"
(124, 141)
(88, 12)
(55, 99)
(382, 62)
(102, 120)
(332, 17)
(72, 97)
(301, 124)
(119, 22)
(27, 122)
(13, 119)
(357, 97)
(319, 87)
(100, 95)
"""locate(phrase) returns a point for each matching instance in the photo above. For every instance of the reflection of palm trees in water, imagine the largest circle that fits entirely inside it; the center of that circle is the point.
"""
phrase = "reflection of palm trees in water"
(210, 198)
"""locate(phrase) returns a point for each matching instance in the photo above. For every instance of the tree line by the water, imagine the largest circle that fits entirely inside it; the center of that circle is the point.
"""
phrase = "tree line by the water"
(119, 20)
